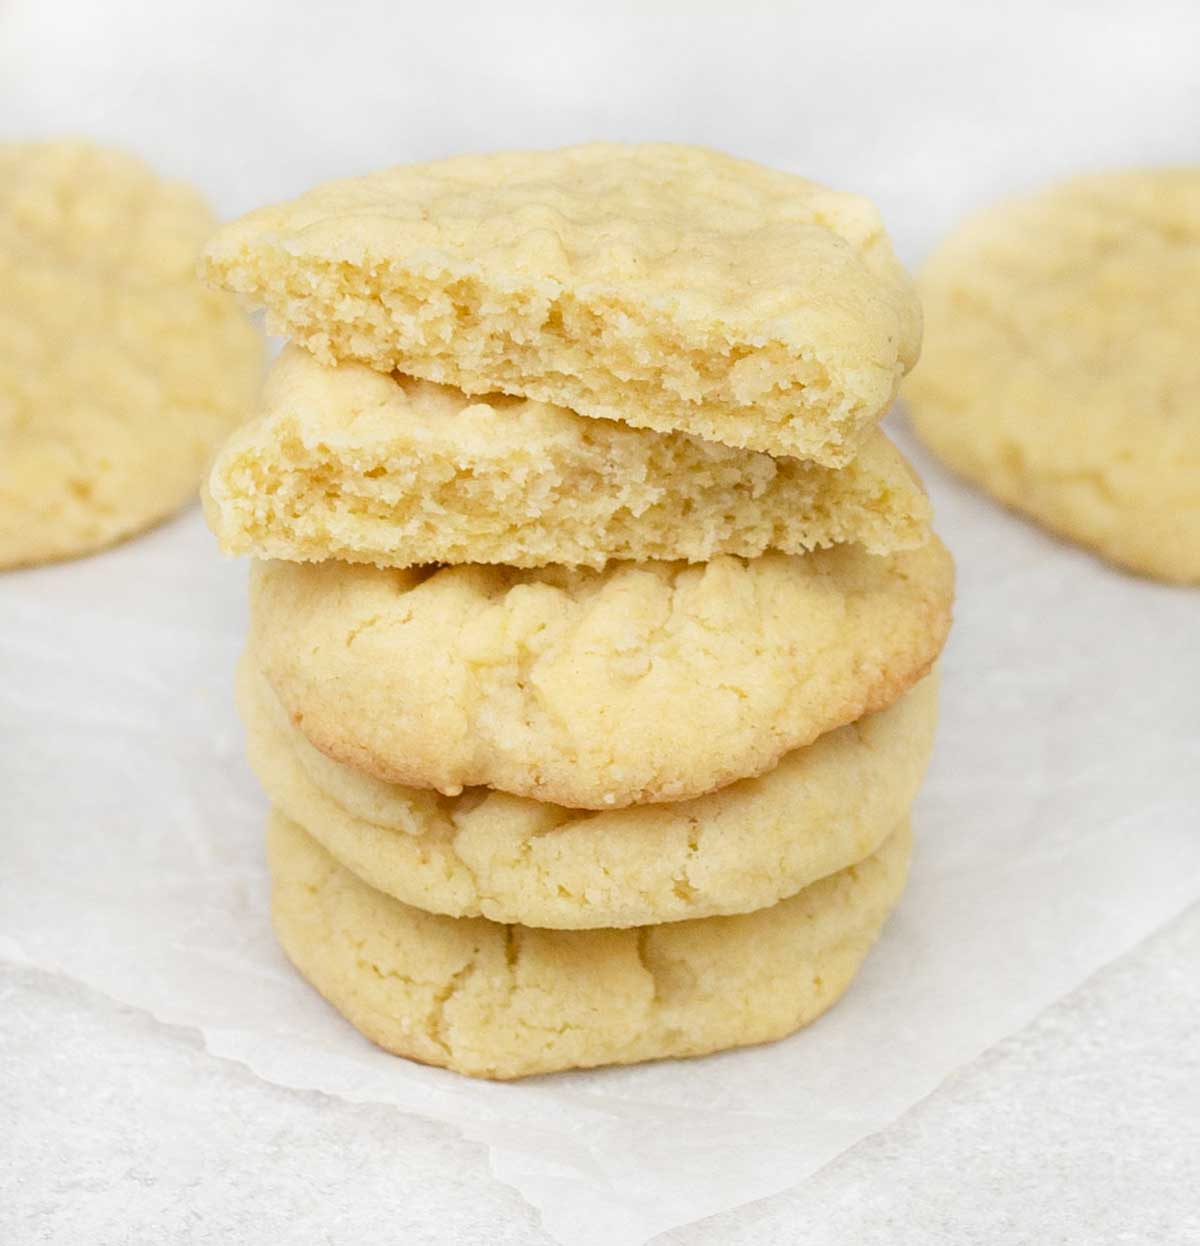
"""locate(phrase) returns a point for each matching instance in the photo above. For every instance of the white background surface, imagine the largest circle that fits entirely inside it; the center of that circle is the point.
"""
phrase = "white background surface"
(1080, 1128)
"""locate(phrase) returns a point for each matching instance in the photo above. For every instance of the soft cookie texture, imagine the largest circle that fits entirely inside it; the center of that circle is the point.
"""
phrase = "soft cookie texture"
(511, 859)
(500, 1001)
(643, 682)
(1061, 368)
(670, 287)
(352, 464)
(119, 372)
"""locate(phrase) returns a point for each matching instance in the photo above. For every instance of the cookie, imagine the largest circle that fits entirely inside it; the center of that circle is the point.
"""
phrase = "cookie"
(1061, 370)
(511, 859)
(503, 1001)
(669, 287)
(349, 463)
(644, 682)
(119, 372)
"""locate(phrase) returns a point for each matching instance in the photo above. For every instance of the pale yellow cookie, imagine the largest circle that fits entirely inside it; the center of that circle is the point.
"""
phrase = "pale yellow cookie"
(511, 859)
(119, 372)
(1061, 368)
(506, 1001)
(594, 689)
(670, 287)
(350, 463)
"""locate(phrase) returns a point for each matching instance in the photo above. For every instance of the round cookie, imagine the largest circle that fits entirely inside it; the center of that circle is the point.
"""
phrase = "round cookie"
(1060, 370)
(671, 287)
(353, 464)
(641, 683)
(502, 1001)
(511, 859)
(119, 372)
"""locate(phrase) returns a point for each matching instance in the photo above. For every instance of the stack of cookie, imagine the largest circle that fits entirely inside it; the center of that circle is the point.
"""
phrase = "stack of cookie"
(592, 618)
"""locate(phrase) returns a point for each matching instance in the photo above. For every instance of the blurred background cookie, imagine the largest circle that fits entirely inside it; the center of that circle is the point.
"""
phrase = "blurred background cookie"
(119, 372)
(1061, 366)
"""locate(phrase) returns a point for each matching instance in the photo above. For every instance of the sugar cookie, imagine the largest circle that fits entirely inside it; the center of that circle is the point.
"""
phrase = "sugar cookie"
(505, 1001)
(119, 372)
(351, 464)
(512, 859)
(1061, 369)
(671, 287)
(644, 682)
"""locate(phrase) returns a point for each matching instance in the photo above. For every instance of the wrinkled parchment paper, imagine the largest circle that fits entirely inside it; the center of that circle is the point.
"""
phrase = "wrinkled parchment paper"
(1059, 825)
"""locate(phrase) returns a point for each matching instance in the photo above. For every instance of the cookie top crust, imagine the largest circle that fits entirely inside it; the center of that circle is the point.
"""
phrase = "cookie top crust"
(672, 287)
(354, 464)
(119, 371)
(640, 683)
(1060, 369)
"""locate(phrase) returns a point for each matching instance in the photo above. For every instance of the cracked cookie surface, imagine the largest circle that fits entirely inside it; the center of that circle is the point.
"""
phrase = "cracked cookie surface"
(670, 287)
(1060, 369)
(642, 683)
(511, 859)
(505, 1001)
(120, 372)
(353, 464)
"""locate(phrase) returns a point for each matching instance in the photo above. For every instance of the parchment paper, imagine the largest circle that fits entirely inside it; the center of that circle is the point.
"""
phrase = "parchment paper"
(1058, 826)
